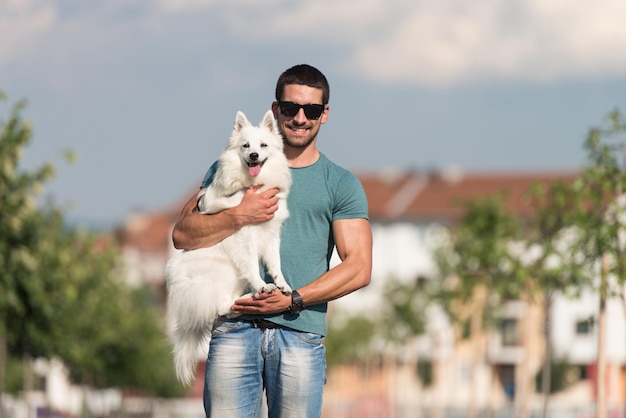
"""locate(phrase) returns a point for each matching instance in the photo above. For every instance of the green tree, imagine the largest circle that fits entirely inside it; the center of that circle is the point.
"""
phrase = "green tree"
(563, 376)
(603, 225)
(63, 293)
(479, 272)
(349, 338)
(579, 231)
(550, 256)
(403, 315)
(108, 333)
(18, 192)
(403, 318)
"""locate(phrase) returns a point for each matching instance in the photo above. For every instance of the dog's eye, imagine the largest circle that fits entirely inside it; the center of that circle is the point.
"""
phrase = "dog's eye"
(263, 145)
(246, 145)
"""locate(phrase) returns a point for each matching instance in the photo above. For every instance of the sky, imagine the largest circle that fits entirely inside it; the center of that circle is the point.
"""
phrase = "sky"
(145, 92)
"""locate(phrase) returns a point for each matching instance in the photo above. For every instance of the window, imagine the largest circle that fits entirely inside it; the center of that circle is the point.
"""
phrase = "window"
(584, 327)
(508, 330)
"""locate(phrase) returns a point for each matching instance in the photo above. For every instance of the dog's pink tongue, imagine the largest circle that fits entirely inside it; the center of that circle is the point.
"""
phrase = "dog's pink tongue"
(254, 170)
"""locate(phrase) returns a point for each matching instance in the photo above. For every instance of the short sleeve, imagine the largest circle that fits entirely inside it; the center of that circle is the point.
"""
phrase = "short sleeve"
(209, 176)
(350, 198)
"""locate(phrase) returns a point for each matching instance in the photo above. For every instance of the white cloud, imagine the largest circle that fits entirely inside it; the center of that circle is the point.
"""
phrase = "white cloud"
(23, 23)
(448, 42)
(523, 40)
(430, 42)
(183, 6)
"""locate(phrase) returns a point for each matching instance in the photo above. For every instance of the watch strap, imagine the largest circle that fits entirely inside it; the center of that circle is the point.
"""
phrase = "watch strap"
(297, 304)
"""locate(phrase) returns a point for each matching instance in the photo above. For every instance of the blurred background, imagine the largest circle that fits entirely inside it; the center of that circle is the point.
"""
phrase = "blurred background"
(476, 129)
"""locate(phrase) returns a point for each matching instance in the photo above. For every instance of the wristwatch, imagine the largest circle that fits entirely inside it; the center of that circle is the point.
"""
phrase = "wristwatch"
(297, 305)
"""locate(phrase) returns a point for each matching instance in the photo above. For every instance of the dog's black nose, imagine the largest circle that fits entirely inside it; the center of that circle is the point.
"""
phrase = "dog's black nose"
(254, 156)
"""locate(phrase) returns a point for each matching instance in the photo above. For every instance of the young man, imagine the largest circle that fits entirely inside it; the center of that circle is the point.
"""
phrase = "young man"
(277, 342)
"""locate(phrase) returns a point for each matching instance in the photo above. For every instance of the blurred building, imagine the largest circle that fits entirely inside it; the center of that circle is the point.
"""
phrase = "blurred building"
(410, 212)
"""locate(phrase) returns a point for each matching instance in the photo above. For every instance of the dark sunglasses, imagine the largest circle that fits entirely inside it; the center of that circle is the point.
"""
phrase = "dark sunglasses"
(291, 109)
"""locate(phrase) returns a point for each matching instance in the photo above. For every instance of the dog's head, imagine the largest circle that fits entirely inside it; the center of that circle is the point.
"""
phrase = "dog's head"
(256, 144)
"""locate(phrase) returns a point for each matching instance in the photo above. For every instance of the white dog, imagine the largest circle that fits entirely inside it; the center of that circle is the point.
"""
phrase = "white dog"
(202, 284)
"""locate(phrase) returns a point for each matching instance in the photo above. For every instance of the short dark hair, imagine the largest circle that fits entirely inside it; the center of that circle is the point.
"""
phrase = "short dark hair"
(306, 75)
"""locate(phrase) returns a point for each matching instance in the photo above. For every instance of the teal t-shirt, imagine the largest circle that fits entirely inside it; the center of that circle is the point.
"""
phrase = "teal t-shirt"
(320, 194)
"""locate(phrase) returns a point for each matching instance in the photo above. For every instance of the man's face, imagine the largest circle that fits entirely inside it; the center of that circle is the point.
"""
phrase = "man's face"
(299, 131)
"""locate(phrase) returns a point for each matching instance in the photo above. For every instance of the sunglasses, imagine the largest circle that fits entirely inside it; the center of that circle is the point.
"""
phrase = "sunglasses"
(311, 111)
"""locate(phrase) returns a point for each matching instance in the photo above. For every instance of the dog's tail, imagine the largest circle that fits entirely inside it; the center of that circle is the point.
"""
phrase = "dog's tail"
(186, 353)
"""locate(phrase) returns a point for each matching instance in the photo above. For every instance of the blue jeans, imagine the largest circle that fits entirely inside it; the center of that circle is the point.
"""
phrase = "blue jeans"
(244, 360)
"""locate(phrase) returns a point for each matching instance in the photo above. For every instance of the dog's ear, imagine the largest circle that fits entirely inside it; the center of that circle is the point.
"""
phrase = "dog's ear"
(269, 122)
(241, 121)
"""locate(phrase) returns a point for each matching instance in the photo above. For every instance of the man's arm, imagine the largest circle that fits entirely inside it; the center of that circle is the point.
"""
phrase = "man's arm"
(353, 239)
(196, 230)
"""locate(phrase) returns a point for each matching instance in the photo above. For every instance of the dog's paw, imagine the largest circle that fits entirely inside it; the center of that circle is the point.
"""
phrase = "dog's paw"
(286, 289)
(282, 285)
(268, 288)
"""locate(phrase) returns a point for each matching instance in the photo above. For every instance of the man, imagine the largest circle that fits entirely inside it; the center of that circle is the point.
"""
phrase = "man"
(277, 342)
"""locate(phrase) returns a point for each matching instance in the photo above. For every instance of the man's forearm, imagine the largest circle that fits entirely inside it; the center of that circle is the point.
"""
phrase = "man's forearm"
(196, 230)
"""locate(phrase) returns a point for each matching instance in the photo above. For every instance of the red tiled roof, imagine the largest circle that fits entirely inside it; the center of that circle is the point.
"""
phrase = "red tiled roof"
(440, 196)
(151, 232)
(147, 232)
(402, 195)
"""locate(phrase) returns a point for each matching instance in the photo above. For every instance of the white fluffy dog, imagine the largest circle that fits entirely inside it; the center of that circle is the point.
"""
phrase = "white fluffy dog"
(202, 284)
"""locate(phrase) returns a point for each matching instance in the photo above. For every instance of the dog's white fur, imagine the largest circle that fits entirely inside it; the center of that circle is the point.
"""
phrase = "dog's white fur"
(202, 284)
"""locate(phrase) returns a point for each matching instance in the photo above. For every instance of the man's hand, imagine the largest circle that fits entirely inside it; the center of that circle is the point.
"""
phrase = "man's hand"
(256, 208)
(262, 303)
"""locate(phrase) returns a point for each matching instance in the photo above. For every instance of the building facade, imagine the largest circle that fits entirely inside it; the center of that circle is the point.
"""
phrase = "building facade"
(410, 213)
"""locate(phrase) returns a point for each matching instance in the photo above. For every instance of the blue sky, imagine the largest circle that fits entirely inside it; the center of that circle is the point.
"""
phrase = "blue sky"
(146, 92)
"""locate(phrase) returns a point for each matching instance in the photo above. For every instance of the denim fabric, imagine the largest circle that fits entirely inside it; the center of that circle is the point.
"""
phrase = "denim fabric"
(244, 360)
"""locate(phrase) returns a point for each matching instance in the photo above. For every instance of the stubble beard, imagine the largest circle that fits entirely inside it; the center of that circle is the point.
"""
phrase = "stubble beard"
(301, 142)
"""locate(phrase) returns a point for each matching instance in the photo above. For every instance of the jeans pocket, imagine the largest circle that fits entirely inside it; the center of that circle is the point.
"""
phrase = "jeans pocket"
(224, 326)
(310, 338)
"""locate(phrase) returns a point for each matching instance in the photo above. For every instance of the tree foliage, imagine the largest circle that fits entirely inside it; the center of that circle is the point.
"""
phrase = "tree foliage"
(603, 221)
(63, 289)
(18, 236)
(478, 268)
(603, 224)
(349, 339)
(563, 375)
(403, 315)
(552, 260)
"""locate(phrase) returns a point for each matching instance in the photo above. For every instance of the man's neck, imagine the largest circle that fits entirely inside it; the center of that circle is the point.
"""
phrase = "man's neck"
(302, 157)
